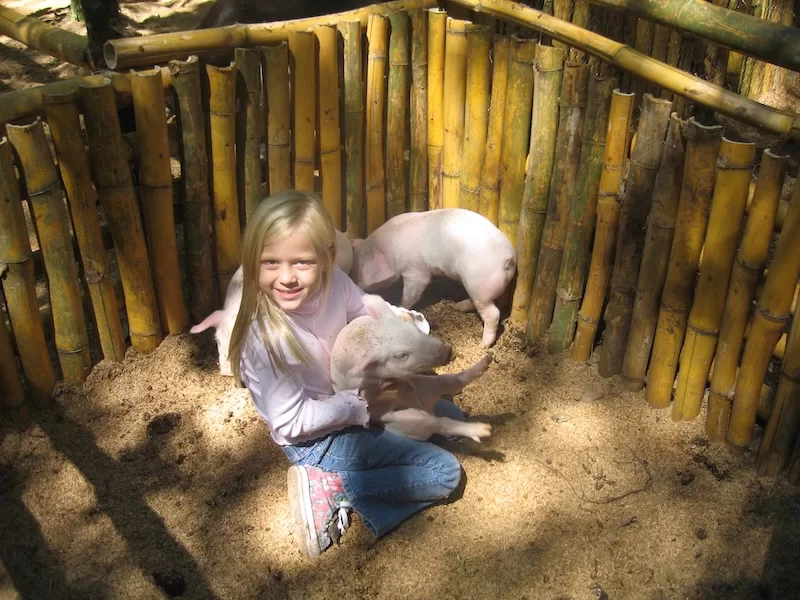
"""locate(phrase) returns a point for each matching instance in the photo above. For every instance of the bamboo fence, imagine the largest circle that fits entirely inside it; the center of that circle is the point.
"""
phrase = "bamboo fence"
(418, 107)
(374, 169)
(248, 167)
(437, 22)
(353, 100)
(329, 133)
(397, 102)
(275, 61)
(455, 69)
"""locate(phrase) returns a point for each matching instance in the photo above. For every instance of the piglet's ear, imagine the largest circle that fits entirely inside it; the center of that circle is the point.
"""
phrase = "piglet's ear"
(376, 306)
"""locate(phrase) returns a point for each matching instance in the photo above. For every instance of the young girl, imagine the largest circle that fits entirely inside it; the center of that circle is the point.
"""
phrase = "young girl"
(294, 303)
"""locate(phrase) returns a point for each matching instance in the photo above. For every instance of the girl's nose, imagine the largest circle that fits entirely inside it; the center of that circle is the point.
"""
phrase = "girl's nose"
(287, 275)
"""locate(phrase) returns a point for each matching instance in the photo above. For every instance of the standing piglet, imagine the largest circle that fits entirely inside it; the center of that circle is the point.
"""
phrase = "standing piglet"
(454, 242)
(383, 346)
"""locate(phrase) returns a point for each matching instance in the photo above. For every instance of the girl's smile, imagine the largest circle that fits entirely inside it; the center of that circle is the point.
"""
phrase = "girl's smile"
(289, 271)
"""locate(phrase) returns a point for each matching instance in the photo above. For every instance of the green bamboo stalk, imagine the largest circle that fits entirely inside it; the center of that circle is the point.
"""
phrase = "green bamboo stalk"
(397, 116)
(418, 160)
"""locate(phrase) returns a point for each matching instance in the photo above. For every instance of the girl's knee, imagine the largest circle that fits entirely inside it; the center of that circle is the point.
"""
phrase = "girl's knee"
(451, 472)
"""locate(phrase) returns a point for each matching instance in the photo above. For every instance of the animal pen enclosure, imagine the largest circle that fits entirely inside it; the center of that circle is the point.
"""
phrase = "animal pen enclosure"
(637, 216)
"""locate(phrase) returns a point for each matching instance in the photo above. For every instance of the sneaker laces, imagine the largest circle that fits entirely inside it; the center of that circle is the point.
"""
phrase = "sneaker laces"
(339, 521)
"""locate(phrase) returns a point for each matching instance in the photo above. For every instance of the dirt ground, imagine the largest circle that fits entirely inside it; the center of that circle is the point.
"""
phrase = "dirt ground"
(156, 477)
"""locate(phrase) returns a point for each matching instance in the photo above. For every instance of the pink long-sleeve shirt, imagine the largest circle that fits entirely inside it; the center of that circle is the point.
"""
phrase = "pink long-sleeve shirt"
(300, 404)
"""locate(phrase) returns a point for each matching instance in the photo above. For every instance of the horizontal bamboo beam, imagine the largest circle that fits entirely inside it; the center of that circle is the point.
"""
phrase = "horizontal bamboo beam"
(25, 103)
(759, 38)
(643, 66)
(151, 49)
(38, 35)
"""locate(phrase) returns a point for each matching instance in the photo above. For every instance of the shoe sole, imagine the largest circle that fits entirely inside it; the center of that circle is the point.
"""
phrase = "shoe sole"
(300, 501)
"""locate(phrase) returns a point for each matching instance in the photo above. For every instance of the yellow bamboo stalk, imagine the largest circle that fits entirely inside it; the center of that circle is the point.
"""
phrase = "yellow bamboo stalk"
(19, 286)
(418, 159)
(437, 21)
(112, 178)
(572, 103)
(476, 116)
(376, 107)
(771, 314)
(52, 226)
(49, 39)
(397, 117)
(278, 107)
(222, 109)
(248, 158)
(329, 133)
(353, 129)
(15, 409)
(516, 135)
(605, 236)
(455, 68)
(734, 169)
(746, 272)
(65, 127)
(490, 174)
(304, 92)
(702, 147)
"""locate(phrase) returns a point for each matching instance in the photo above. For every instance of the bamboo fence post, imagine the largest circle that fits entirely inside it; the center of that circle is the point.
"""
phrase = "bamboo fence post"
(155, 184)
(516, 134)
(418, 160)
(605, 236)
(745, 276)
(655, 257)
(572, 102)
(376, 107)
(490, 174)
(772, 312)
(222, 112)
(112, 178)
(455, 68)
(548, 71)
(198, 244)
(437, 21)
(397, 116)
(702, 147)
(14, 406)
(278, 106)
(330, 140)
(353, 129)
(55, 240)
(793, 470)
(19, 286)
(661, 36)
(248, 158)
(476, 116)
(636, 199)
(65, 127)
(784, 420)
(582, 214)
(304, 95)
(581, 16)
(734, 170)
(643, 42)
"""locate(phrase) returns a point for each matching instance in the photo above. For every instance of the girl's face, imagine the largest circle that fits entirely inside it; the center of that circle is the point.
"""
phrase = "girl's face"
(290, 272)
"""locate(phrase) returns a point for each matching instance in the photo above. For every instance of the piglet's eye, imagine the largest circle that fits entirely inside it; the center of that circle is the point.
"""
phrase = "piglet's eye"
(401, 355)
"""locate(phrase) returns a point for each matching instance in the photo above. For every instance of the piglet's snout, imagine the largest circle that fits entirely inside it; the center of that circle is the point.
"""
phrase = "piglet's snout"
(446, 354)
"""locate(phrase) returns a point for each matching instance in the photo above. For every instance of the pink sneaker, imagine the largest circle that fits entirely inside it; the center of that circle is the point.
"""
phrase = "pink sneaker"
(320, 508)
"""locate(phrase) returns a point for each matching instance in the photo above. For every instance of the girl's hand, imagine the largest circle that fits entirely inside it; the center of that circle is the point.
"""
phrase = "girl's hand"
(387, 397)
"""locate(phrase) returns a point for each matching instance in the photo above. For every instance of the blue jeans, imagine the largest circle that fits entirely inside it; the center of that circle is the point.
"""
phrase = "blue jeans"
(387, 477)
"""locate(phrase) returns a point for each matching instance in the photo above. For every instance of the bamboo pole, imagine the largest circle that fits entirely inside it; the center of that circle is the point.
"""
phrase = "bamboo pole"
(734, 169)
(655, 257)
(330, 140)
(38, 35)
(222, 111)
(572, 102)
(353, 129)
(418, 159)
(196, 208)
(476, 116)
(65, 127)
(605, 236)
(772, 312)
(490, 174)
(112, 178)
(122, 53)
(784, 421)
(624, 57)
(437, 20)
(516, 135)
(13, 403)
(582, 214)
(248, 157)
(636, 200)
(19, 285)
(376, 104)
(304, 93)
(52, 227)
(702, 147)
(455, 68)
(155, 186)
(397, 117)
(548, 73)
(278, 107)
(793, 470)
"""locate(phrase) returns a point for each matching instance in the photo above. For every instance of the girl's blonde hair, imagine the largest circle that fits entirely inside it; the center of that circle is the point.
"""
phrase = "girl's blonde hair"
(275, 219)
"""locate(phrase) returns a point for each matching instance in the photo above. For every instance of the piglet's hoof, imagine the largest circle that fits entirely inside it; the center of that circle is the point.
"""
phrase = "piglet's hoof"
(475, 431)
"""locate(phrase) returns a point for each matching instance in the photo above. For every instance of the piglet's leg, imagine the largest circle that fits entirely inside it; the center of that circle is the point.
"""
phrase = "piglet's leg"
(490, 315)
(420, 425)
(414, 283)
(430, 388)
